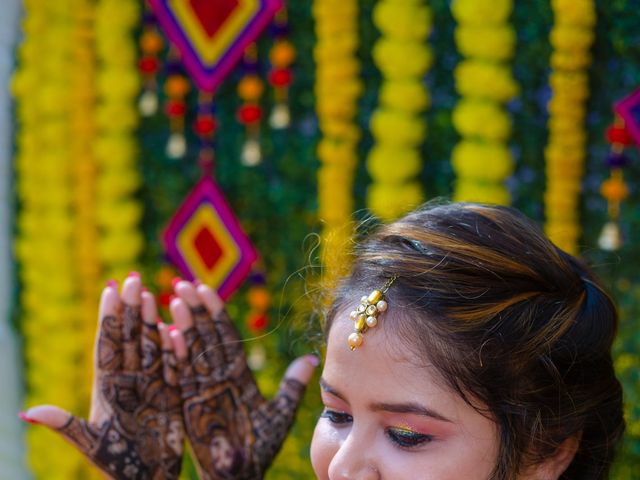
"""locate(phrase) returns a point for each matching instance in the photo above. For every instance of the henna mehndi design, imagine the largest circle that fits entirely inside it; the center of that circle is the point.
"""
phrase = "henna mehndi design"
(234, 432)
(136, 431)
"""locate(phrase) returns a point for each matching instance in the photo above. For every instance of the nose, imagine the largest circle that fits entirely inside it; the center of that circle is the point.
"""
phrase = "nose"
(353, 461)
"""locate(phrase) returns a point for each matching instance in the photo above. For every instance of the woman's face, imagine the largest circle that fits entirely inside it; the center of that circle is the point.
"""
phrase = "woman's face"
(385, 417)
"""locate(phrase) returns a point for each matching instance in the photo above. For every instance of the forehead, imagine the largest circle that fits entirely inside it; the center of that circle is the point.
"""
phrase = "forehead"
(383, 364)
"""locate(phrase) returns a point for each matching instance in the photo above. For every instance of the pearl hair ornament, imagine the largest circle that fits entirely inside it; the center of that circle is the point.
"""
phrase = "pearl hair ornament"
(366, 315)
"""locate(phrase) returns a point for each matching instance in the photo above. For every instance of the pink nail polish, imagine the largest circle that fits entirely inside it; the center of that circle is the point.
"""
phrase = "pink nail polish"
(172, 298)
(134, 274)
(175, 281)
(159, 321)
(313, 360)
(145, 289)
(172, 328)
(24, 418)
(112, 283)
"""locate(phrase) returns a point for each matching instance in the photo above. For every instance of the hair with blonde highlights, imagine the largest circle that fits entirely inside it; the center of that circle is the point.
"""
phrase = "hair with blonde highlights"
(520, 329)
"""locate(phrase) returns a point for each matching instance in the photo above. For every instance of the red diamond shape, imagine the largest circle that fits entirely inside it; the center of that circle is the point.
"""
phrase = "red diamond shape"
(213, 14)
(207, 246)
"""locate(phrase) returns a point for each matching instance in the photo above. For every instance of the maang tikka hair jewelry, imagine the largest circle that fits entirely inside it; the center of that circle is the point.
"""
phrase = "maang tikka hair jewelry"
(366, 315)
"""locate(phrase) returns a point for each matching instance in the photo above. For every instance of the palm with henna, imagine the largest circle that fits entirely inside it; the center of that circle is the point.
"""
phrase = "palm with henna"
(135, 428)
(234, 432)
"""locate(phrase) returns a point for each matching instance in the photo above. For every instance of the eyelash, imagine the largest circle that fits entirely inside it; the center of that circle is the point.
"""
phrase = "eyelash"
(335, 417)
(401, 437)
(407, 438)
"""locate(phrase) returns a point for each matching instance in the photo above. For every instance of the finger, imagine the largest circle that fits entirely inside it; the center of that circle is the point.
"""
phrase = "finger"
(72, 428)
(272, 422)
(292, 388)
(131, 322)
(209, 345)
(169, 362)
(179, 344)
(197, 356)
(150, 348)
(226, 330)
(186, 377)
(108, 348)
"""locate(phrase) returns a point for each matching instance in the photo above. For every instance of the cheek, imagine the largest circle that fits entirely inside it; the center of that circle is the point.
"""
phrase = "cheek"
(324, 445)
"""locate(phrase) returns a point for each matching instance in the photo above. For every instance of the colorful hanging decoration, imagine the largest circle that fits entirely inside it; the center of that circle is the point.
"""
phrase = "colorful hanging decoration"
(205, 240)
(624, 132)
(250, 90)
(571, 38)
(338, 87)
(481, 159)
(282, 56)
(397, 125)
(176, 89)
(151, 44)
(259, 300)
(212, 36)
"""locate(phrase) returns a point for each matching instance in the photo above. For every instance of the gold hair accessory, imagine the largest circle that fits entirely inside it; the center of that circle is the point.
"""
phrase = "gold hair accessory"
(366, 315)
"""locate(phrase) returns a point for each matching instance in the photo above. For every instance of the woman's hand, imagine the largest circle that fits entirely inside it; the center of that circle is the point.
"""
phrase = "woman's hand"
(135, 428)
(234, 432)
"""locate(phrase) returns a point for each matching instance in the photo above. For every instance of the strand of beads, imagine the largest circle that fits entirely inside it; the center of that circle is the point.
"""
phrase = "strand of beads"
(614, 189)
(571, 38)
(481, 159)
(366, 315)
(397, 125)
(337, 89)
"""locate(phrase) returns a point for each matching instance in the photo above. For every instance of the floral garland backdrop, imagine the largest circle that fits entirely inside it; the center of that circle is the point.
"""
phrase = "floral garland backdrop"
(277, 205)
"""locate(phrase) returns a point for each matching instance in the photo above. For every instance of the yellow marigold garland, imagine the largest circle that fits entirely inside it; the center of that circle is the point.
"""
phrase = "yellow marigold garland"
(118, 83)
(54, 343)
(481, 159)
(571, 38)
(397, 126)
(337, 89)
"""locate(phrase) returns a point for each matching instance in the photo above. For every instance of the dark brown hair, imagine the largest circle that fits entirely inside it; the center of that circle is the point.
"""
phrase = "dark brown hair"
(519, 328)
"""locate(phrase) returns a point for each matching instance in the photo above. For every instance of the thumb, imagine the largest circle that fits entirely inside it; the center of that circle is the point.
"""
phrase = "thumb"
(72, 428)
(293, 385)
(301, 370)
(278, 414)
(47, 415)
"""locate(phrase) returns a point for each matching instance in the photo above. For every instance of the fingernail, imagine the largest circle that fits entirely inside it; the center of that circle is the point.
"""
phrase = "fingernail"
(313, 360)
(175, 281)
(145, 289)
(172, 298)
(112, 283)
(172, 328)
(197, 282)
(23, 416)
(134, 274)
(159, 321)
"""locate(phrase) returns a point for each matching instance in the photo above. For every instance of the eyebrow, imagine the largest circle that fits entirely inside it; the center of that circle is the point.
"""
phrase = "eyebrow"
(410, 407)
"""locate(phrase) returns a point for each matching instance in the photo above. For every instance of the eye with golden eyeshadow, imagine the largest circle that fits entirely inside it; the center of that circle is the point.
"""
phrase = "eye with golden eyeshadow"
(407, 438)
